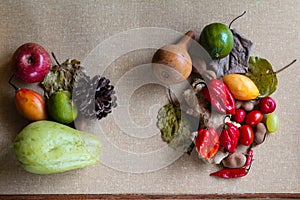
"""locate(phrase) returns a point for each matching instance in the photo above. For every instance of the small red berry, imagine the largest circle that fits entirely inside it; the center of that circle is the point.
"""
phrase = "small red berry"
(239, 115)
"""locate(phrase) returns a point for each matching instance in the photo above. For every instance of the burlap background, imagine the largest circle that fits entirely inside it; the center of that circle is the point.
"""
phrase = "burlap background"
(73, 28)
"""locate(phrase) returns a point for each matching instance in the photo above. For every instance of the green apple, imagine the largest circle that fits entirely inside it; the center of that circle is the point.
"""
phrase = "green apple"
(61, 107)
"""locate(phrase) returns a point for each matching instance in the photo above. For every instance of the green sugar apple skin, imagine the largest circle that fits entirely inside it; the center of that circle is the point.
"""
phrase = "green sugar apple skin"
(46, 147)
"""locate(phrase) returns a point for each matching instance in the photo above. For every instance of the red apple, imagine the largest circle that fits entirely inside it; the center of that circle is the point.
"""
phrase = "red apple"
(31, 63)
(267, 105)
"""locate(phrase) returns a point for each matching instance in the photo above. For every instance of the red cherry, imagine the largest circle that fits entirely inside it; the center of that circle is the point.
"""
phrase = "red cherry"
(246, 135)
(267, 105)
(253, 117)
(239, 115)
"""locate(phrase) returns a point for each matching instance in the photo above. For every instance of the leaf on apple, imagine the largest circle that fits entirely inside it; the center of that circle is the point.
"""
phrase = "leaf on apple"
(262, 74)
(62, 77)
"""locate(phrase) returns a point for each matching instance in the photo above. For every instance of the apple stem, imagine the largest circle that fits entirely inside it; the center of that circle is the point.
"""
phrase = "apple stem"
(280, 70)
(30, 60)
(53, 55)
(236, 18)
(10, 83)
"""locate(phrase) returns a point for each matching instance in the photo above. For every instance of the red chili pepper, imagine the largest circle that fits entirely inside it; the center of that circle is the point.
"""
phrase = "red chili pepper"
(230, 173)
(249, 159)
(220, 97)
(229, 137)
(207, 142)
(235, 172)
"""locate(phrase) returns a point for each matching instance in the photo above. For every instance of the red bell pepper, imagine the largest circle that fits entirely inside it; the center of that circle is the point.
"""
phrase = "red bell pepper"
(207, 142)
(229, 137)
(220, 97)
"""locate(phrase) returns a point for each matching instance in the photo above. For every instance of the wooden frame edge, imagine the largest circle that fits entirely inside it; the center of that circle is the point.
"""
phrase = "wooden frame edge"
(151, 196)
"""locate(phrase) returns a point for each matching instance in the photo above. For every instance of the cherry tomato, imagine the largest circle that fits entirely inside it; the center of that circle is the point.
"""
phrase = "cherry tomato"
(207, 142)
(254, 117)
(239, 115)
(246, 135)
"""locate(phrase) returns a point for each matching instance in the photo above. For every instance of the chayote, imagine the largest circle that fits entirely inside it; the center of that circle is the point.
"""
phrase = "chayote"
(46, 147)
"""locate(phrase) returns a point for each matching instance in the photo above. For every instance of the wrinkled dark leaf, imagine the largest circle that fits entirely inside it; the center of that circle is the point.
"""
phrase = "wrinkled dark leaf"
(62, 77)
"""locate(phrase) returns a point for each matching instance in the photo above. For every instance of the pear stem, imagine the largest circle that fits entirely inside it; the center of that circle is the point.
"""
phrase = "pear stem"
(280, 70)
(237, 18)
(53, 55)
(187, 39)
(10, 83)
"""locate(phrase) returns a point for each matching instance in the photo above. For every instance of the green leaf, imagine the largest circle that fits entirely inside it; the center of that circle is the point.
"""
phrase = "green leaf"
(262, 74)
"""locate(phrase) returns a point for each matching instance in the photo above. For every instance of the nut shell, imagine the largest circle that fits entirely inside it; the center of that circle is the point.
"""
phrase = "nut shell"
(260, 133)
(235, 160)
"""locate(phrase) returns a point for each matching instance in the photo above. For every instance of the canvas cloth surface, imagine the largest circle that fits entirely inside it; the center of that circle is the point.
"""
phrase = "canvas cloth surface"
(72, 29)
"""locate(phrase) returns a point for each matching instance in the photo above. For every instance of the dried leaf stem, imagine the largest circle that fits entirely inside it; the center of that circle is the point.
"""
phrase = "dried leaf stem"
(287, 66)
(54, 57)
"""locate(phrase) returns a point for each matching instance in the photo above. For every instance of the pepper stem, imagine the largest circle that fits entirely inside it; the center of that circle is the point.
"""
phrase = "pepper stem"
(280, 70)
(236, 18)
(54, 57)
(249, 167)
(10, 83)
(224, 120)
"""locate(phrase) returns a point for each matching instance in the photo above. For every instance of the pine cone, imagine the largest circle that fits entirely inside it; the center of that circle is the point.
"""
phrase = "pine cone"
(94, 97)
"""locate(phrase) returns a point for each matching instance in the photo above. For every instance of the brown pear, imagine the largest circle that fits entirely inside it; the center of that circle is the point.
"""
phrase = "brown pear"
(172, 63)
